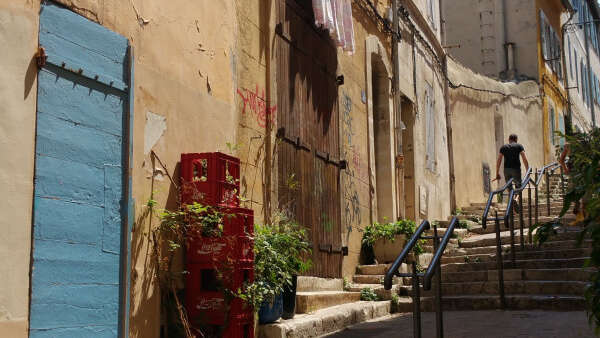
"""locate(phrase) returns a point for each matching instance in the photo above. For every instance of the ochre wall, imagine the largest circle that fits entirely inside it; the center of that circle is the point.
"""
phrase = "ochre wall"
(18, 92)
(473, 125)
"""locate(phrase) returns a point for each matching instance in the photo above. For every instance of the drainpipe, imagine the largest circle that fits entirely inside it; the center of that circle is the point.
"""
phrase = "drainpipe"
(566, 71)
(397, 110)
(448, 116)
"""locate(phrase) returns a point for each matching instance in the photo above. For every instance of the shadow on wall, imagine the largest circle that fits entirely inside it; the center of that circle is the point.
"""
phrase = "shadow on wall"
(150, 299)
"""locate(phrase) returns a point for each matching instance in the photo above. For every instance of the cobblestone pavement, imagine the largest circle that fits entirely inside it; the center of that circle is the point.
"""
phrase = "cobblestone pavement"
(505, 324)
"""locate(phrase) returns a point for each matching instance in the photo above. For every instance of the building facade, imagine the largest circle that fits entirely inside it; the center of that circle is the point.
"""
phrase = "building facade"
(582, 63)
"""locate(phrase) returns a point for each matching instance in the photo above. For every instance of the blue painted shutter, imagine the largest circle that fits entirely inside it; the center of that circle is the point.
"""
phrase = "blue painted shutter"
(82, 100)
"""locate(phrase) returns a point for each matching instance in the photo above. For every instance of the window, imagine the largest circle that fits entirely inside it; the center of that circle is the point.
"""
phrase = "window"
(430, 111)
(552, 135)
(551, 48)
(431, 13)
(570, 57)
(583, 82)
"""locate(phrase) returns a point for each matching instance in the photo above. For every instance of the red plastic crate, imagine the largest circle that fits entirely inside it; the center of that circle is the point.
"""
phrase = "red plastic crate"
(238, 221)
(205, 278)
(209, 308)
(225, 250)
(210, 178)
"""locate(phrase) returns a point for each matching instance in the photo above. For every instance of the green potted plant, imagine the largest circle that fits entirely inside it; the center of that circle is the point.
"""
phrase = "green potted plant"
(387, 240)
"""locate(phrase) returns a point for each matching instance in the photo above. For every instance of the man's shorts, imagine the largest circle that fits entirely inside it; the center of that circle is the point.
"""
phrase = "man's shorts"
(515, 174)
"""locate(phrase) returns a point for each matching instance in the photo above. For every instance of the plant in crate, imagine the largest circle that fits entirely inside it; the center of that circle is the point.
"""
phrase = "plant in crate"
(385, 241)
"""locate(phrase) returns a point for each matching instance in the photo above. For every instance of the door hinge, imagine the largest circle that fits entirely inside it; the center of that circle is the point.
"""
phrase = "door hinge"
(41, 57)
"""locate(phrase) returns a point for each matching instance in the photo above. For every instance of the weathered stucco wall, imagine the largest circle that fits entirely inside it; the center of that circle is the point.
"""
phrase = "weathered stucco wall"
(18, 92)
(477, 114)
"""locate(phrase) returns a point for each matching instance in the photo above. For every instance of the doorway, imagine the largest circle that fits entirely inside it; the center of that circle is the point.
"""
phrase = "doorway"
(408, 119)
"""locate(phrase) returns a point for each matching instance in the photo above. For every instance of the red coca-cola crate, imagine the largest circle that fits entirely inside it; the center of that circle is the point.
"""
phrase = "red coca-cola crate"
(210, 178)
(210, 308)
(208, 277)
(221, 251)
(238, 221)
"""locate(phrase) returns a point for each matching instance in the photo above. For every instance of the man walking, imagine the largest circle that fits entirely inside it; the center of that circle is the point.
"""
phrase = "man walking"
(512, 162)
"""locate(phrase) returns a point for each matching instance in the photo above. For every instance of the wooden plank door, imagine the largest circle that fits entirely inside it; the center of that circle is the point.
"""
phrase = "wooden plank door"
(308, 129)
(79, 178)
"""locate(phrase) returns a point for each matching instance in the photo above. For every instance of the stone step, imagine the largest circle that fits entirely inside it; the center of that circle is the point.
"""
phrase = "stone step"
(526, 254)
(520, 264)
(513, 302)
(368, 279)
(326, 320)
(458, 233)
(535, 287)
(489, 239)
(308, 284)
(381, 292)
(312, 301)
(564, 274)
(566, 244)
(374, 269)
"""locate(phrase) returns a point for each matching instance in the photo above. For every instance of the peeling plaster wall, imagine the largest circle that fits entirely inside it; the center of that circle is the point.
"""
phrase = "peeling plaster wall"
(18, 92)
(473, 123)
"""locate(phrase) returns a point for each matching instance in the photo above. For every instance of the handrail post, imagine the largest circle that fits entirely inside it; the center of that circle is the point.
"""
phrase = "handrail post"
(548, 191)
(511, 228)
(499, 264)
(537, 201)
(562, 182)
(439, 321)
(416, 302)
(521, 218)
(529, 208)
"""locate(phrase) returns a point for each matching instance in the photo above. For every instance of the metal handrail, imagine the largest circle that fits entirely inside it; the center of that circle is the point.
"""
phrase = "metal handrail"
(389, 275)
(434, 268)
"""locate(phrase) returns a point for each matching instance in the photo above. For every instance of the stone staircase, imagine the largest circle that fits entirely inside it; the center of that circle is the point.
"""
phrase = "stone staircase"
(550, 277)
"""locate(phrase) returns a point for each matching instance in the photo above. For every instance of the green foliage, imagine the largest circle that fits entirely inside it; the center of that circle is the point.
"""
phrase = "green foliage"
(463, 224)
(584, 179)
(389, 231)
(280, 252)
(368, 294)
(346, 284)
(458, 212)
(395, 303)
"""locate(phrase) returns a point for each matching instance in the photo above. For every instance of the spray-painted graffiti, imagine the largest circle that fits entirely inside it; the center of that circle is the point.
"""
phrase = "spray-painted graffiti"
(257, 105)
(352, 216)
(347, 118)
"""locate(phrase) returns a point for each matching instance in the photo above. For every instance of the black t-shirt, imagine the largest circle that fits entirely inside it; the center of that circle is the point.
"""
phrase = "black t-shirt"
(511, 154)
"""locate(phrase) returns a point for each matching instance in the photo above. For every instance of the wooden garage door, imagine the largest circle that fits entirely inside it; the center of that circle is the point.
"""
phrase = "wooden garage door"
(308, 129)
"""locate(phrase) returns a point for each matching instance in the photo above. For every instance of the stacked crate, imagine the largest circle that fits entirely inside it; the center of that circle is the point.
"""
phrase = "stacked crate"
(218, 263)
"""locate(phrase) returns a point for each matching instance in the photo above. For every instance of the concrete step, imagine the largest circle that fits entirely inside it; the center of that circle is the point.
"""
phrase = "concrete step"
(374, 269)
(312, 301)
(556, 274)
(520, 264)
(368, 279)
(326, 320)
(551, 245)
(458, 233)
(308, 284)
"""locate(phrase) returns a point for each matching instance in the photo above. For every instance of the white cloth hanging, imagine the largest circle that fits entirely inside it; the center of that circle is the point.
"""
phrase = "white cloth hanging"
(336, 17)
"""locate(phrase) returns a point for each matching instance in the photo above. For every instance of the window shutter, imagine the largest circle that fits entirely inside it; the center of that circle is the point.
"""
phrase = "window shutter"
(430, 162)
(543, 35)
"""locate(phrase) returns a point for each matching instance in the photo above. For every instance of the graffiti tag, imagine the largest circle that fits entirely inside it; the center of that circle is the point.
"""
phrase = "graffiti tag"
(256, 104)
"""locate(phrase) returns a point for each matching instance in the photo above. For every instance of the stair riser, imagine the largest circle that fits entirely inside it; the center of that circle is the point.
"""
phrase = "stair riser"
(554, 245)
(575, 304)
(310, 303)
(512, 287)
(568, 253)
(572, 235)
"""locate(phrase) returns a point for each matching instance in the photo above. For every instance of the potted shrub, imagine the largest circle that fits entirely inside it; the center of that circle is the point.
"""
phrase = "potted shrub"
(386, 240)
(281, 253)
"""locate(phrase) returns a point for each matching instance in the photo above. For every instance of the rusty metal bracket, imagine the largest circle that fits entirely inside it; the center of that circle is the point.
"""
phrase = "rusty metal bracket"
(41, 57)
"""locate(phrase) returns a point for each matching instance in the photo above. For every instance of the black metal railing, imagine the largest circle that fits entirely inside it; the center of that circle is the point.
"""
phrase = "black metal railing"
(434, 269)
(508, 217)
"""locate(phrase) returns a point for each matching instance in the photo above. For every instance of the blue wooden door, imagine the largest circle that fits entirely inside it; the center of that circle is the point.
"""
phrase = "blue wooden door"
(79, 178)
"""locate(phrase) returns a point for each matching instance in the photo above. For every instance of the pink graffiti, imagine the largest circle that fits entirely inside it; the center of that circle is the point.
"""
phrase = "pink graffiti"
(258, 106)
(356, 161)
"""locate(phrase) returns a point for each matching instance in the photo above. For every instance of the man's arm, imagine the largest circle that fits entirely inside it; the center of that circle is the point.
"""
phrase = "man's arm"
(561, 160)
(525, 160)
(498, 163)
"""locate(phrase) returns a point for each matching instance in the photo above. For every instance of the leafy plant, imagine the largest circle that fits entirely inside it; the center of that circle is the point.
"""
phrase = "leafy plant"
(368, 294)
(458, 212)
(389, 231)
(395, 303)
(463, 224)
(584, 179)
(280, 253)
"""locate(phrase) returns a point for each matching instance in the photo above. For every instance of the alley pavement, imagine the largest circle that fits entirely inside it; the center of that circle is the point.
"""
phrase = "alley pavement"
(475, 324)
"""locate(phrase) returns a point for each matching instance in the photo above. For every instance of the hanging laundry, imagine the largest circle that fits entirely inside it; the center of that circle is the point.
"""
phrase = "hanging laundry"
(336, 17)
